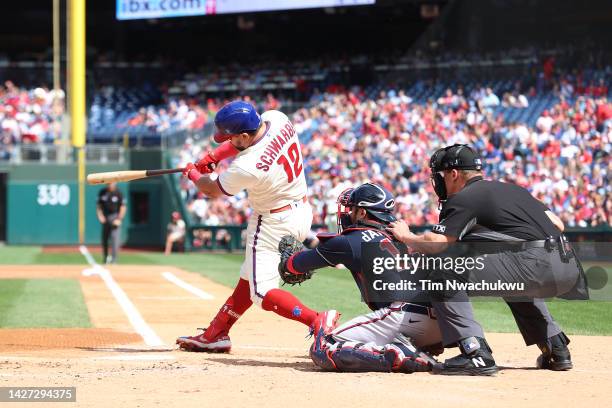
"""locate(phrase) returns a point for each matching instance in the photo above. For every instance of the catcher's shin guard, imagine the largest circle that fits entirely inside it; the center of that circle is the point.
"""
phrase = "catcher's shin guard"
(319, 352)
(348, 356)
(406, 358)
(359, 357)
(555, 354)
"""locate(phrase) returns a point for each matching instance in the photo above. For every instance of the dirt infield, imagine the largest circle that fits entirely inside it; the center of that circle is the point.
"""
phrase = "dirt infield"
(268, 365)
(44, 339)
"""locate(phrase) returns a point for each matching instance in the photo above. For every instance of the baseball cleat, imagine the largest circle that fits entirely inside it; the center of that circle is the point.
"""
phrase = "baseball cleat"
(555, 354)
(476, 358)
(325, 322)
(221, 344)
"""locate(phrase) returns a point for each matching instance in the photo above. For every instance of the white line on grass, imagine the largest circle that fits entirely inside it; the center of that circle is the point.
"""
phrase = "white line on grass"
(133, 315)
(187, 286)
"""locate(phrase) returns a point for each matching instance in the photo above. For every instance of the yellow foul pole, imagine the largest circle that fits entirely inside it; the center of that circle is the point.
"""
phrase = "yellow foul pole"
(76, 97)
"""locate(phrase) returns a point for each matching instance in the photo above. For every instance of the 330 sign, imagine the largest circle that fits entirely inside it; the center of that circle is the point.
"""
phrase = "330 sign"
(53, 194)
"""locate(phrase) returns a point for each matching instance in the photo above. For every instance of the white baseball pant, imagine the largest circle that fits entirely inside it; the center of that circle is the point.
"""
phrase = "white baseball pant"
(264, 232)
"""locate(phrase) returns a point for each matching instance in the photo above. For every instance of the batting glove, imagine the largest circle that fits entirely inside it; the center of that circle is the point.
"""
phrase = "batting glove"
(207, 164)
(191, 172)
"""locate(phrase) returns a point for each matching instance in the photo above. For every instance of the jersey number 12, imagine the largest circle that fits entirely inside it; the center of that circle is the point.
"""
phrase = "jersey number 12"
(294, 155)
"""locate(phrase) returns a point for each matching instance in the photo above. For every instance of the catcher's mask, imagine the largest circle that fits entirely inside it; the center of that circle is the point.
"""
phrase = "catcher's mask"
(377, 201)
(457, 156)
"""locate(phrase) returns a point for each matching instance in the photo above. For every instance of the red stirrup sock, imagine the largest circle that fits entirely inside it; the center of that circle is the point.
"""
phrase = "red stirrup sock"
(230, 312)
(285, 304)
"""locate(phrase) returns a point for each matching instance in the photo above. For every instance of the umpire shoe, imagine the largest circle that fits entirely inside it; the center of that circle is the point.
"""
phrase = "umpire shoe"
(220, 344)
(476, 358)
(555, 354)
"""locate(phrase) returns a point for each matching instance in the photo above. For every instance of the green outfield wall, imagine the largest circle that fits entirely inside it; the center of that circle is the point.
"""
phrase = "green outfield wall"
(41, 203)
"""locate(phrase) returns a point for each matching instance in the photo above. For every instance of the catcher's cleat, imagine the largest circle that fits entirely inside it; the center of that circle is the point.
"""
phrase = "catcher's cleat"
(476, 358)
(325, 323)
(555, 354)
(221, 344)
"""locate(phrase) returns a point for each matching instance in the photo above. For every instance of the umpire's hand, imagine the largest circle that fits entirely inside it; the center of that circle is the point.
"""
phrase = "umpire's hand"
(400, 230)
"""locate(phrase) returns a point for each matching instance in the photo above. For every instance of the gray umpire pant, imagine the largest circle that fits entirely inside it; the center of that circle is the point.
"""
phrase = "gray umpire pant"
(110, 233)
(544, 275)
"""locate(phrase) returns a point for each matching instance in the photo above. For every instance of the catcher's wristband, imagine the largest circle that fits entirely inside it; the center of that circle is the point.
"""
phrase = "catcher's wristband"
(290, 266)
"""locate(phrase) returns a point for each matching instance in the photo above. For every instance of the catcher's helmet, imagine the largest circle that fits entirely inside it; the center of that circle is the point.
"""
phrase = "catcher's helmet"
(375, 199)
(234, 118)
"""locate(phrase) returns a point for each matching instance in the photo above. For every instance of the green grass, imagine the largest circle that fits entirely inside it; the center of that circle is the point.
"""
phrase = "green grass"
(335, 288)
(36, 303)
(19, 255)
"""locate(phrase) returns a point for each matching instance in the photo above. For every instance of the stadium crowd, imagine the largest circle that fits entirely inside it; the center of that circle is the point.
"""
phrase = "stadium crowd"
(186, 113)
(348, 138)
(28, 116)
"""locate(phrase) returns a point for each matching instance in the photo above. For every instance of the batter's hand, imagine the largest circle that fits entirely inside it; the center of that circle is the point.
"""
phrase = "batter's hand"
(191, 172)
(208, 163)
(116, 222)
(400, 230)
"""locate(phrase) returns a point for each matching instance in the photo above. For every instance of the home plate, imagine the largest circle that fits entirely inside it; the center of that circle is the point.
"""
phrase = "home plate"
(138, 357)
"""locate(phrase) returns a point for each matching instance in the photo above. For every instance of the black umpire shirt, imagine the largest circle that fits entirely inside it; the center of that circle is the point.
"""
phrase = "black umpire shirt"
(494, 211)
(110, 201)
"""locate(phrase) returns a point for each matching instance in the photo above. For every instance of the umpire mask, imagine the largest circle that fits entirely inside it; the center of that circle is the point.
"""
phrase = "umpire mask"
(457, 156)
(437, 174)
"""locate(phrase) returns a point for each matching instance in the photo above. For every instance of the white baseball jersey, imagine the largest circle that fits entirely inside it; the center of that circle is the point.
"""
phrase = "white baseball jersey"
(271, 170)
(272, 173)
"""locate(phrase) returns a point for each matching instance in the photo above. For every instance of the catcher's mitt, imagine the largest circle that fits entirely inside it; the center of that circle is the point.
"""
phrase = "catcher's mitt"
(288, 246)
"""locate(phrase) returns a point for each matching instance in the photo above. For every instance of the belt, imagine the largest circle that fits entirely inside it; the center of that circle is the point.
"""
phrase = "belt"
(550, 244)
(544, 243)
(419, 309)
(286, 207)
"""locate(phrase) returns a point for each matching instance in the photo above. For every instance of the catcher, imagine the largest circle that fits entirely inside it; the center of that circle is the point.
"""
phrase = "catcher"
(387, 338)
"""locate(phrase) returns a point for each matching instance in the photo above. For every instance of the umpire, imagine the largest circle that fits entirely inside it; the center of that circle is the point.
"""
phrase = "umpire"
(110, 210)
(534, 251)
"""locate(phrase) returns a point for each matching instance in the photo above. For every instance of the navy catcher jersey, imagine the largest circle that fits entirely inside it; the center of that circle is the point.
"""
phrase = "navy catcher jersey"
(346, 249)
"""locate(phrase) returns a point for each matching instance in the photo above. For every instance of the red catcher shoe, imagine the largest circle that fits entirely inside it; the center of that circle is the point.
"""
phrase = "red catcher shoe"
(325, 322)
(221, 344)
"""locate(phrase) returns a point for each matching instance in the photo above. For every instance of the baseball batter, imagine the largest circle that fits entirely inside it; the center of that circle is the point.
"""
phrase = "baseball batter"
(387, 338)
(268, 165)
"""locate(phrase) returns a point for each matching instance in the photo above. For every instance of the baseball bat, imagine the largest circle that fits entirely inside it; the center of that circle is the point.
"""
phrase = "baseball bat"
(127, 175)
